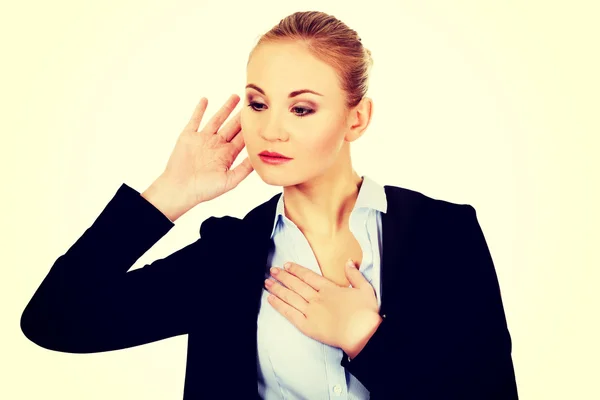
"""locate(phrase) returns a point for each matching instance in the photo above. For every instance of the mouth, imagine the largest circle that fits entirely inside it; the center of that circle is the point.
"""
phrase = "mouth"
(273, 154)
(273, 160)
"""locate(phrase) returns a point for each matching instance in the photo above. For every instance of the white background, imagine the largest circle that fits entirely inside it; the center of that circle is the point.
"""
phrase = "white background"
(494, 104)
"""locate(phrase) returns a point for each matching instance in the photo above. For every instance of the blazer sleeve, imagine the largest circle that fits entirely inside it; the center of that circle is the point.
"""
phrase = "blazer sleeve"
(481, 367)
(89, 302)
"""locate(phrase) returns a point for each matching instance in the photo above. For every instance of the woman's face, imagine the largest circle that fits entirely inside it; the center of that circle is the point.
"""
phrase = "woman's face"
(309, 128)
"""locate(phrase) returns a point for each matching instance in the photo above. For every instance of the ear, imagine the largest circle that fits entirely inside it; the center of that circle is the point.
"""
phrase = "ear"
(358, 119)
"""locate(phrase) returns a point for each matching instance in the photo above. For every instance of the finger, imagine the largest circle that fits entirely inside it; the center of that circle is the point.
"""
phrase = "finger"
(215, 122)
(285, 294)
(239, 173)
(231, 129)
(194, 121)
(294, 284)
(355, 277)
(289, 312)
(238, 141)
(313, 279)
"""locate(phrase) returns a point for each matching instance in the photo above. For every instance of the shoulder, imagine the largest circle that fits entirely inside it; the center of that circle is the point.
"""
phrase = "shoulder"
(428, 217)
(231, 226)
(424, 205)
(442, 232)
(219, 225)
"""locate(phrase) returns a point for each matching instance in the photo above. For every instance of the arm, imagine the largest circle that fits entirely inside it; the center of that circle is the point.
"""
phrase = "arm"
(490, 373)
(88, 302)
(479, 365)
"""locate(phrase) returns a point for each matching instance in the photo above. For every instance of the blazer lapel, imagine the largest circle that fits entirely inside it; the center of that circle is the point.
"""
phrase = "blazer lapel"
(396, 225)
(259, 223)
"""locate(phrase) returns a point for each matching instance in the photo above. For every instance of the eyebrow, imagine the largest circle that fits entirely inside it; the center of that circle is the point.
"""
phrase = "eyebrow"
(292, 94)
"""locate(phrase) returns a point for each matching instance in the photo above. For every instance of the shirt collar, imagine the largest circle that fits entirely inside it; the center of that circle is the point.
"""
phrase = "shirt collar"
(371, 195)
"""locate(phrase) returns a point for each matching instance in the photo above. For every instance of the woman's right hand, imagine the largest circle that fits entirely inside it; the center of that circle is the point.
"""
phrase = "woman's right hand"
(198, 169)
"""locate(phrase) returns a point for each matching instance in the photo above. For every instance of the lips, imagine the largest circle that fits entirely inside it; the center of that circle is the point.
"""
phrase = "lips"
(274, 160)
(273, 155)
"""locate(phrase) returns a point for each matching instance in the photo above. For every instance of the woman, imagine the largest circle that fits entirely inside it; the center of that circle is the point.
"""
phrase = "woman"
(417, 314)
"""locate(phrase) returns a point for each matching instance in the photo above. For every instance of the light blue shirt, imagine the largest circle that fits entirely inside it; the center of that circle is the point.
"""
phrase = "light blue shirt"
(292, 365)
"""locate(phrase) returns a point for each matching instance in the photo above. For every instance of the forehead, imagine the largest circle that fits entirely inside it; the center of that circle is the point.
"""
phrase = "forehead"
(280, 68)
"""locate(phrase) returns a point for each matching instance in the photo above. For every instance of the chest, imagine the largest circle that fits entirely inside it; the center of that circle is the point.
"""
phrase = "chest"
(332, 254)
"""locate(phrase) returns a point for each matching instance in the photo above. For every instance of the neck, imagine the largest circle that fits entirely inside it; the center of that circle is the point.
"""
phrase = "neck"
(322, 206)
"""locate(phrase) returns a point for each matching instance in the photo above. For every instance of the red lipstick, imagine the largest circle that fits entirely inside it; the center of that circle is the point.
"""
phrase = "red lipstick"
(272, 154)
(273, 158)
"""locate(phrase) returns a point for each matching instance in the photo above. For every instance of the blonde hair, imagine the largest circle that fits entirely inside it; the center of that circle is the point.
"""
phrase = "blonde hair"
(331, 41)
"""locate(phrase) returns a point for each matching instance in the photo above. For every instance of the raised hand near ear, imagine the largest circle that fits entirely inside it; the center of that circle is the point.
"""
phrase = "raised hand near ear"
(199, 168)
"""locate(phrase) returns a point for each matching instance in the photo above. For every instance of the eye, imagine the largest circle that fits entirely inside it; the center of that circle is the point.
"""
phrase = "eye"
(306, 110)
(253, 104)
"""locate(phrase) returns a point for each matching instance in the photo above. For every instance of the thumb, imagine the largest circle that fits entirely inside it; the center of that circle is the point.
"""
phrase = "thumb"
(240, 172)
(355, 277)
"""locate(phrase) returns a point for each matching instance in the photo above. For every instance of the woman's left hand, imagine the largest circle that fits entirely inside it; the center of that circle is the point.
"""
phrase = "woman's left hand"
(344, 317)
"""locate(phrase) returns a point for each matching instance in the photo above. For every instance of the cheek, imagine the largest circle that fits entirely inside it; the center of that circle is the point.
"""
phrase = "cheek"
(321, 142)
(246, 134)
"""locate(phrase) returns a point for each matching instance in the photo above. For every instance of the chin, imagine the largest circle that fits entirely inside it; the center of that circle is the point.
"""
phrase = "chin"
(273, 179)
(276, 177)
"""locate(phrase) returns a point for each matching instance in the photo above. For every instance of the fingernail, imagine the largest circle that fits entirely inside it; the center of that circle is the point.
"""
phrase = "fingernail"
(350, 263)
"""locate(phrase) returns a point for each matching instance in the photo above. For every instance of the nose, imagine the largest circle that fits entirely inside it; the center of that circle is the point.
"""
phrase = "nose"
(271, 128)
(272, 137)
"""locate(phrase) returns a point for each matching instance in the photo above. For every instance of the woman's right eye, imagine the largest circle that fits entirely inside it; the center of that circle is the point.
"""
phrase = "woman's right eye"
(253, 104)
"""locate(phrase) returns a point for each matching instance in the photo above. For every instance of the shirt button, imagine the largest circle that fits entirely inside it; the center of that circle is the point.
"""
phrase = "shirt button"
(337, 389)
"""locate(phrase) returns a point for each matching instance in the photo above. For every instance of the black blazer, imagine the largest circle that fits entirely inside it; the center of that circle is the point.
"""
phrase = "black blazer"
(444, 335)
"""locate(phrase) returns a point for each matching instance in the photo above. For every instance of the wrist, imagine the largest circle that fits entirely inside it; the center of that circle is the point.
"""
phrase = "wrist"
(364, 330)
(163, 195)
